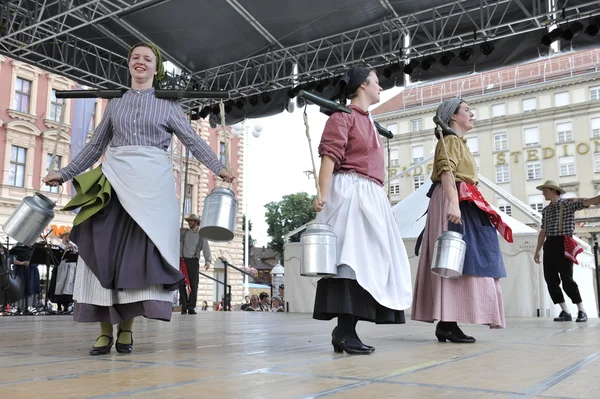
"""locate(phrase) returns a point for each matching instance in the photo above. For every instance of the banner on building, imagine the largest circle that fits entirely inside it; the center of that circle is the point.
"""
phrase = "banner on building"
(83, 109)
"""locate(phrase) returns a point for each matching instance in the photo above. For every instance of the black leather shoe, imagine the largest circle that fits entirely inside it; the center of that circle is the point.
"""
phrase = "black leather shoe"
(192, 311)
(372, 348)
(350, 345)
(581, 317)
(124, 348)
(453, 335)
(564, 316)
(102, 350)
(184, 312)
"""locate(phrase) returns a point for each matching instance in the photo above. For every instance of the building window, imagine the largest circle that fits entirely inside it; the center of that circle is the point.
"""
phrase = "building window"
(222, 153)
(500, 141)
(417, 153)
(529, 104)
(502, 173)
(16, 173)
(595, 127)
(22, 95)
(498, 110)
(597, 162)
(534, 170)
(57, 165)
(56, 106)
(394, 157)
(395, 189)
(561, 99)
(504, 207)
(416, 125)
(418, 181)
(595, 93)
(532, 136)
(393, 128)
(188, 199)
(536, 202)
(473, 144)
(564, 132)
(567, 166)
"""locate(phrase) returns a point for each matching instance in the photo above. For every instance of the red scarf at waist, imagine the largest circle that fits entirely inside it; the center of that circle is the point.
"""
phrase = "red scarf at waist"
(469, 192)
(572, 249)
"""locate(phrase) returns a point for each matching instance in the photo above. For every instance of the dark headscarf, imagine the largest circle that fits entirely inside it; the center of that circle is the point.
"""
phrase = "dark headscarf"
(351, 81)
(447, 109)
(160, 67)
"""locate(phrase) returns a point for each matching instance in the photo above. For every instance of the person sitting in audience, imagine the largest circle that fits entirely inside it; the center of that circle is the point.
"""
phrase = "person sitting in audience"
(254, 305)
(277, 304)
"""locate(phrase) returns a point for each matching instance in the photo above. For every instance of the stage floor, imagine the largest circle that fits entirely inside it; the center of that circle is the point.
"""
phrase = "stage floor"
(255, 355)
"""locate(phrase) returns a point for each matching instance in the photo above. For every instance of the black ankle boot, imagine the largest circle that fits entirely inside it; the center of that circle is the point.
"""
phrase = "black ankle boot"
(449, 331)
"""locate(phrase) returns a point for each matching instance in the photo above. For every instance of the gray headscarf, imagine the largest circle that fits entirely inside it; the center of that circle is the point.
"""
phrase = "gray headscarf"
(447, 109)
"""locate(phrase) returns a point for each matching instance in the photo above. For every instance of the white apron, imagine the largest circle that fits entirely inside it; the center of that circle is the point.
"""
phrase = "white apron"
(143, 179)
(368, 240)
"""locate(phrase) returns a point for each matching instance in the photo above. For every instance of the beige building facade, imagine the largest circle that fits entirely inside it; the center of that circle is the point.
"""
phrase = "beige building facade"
(535, 122)
(29, 120)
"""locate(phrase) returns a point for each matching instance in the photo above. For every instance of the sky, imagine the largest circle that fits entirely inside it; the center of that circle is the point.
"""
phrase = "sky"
(277, 160)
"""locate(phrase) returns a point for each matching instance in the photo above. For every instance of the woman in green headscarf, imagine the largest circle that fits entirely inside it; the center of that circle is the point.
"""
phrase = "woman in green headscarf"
(128, 231)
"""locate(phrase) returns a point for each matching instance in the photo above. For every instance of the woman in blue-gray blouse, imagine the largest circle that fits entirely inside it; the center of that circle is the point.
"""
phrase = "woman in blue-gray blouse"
(127, 229)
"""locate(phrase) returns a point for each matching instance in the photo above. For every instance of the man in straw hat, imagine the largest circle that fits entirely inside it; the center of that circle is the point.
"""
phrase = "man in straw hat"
(560, 249)
(192, 243)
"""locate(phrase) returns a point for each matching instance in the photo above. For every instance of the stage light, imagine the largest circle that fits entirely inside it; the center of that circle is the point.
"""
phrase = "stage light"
(593, 28)
(228, 106)
(265, 98)
(410, 67)
(573, 31)
(204, 112)
(552, 36)
(427, 63)
(486, 48)
(465, 54)
(215, 109)
(254, 100)
(446, 58)
(240, 102)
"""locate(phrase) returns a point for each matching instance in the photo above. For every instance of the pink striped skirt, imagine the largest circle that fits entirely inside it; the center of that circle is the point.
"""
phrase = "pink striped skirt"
(467, 299)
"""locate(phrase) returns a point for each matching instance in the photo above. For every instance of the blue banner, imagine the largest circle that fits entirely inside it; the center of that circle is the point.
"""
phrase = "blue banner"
(83, 109)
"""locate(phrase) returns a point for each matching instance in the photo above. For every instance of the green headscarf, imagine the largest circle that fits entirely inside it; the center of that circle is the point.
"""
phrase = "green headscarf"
(160, 67)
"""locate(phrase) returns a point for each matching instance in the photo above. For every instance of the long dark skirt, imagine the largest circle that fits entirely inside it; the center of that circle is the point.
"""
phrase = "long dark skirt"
(341, 296)
(122, 257)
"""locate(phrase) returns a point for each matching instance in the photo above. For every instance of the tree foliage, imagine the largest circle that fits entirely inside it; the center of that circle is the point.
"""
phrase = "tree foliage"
(293, 211)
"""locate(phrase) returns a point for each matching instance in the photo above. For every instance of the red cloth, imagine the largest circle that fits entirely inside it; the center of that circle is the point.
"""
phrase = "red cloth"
(184, 271)
(354, 144)
(572, 249)
(469, 192)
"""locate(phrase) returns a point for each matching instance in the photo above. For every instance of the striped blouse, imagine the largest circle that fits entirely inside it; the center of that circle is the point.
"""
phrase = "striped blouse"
(138, 118)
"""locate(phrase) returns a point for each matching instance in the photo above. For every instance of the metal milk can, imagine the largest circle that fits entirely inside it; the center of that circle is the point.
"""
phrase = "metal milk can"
(219, 215)
(449, 255)
(29, 220)
(318, 254)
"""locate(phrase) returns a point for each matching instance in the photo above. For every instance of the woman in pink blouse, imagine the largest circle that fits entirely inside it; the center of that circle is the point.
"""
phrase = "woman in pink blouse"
(373, 280)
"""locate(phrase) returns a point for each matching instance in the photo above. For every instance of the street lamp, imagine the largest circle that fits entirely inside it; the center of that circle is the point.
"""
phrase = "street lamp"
(237, 130)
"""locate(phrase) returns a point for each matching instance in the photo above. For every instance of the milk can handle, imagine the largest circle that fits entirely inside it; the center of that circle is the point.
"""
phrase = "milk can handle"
(227, 141)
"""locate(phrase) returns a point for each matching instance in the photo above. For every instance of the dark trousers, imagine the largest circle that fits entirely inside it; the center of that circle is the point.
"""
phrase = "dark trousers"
(556, 268)
(193, 269)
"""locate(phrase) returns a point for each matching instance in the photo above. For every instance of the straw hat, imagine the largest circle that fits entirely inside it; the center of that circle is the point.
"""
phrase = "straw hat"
(552, 186)
(193, 216)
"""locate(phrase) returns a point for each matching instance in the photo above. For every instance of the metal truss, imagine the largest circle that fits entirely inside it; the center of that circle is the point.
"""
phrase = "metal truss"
(44, 33)
(381, 43)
